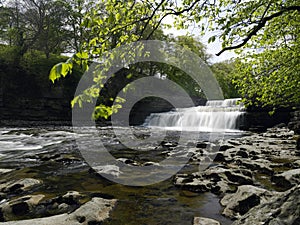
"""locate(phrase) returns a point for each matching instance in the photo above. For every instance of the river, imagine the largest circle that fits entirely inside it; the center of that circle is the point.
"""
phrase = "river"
(51, 154)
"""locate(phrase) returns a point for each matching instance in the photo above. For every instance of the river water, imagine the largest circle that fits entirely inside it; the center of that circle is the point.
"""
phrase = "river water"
(52, 155)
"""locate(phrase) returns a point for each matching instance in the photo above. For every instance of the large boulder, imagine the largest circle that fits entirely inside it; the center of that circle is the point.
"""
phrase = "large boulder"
(260, 165)
(217, 179)
(287, 179)
(283, 208)
(238, 178)
(233, 176)
(205, 221)
(92, 212)
(243, 200)
(20, 206)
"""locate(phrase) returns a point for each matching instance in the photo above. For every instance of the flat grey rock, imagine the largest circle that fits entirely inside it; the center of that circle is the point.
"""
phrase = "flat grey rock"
(96, 210)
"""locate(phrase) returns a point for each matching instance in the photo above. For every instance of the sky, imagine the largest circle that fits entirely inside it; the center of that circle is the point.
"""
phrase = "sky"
(215, 47)
(212, 48)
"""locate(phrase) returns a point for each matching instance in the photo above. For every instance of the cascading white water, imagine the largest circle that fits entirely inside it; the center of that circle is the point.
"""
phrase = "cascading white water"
(215, 116)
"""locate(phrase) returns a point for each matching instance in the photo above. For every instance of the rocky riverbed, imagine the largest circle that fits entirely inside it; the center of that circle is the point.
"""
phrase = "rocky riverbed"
(241, 179)
(257, 178)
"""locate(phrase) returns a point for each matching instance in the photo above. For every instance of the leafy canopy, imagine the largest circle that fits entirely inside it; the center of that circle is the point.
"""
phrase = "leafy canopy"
(264, 33)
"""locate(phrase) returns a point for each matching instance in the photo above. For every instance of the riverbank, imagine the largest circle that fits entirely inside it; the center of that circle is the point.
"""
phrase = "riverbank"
(257, 178)
(44, 180)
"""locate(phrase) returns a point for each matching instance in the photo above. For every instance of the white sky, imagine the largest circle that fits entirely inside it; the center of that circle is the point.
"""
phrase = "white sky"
(212, 48)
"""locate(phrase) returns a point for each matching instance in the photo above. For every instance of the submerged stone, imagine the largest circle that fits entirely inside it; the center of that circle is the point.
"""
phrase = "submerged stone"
(287, 179)
(205, 221)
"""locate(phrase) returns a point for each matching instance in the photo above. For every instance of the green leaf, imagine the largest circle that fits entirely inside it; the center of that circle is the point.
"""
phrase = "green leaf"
(102, 111)
(118, 16)
(211, 39)
(60, 69)
(82, 55)
(64, 69)
(271, 113)
(54, 75)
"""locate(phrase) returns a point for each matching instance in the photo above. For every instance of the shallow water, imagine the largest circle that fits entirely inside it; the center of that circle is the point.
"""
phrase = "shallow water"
(51, 154)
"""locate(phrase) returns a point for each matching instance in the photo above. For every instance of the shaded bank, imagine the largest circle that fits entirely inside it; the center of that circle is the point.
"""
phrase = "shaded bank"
(29, 98)
(26, 93)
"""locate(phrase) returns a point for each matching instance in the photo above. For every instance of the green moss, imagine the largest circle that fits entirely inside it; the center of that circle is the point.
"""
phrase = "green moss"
(280, 160)
(265, 181)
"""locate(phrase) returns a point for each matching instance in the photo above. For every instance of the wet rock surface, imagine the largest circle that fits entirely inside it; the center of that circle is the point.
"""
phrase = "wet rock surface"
(44, 178)
(93, 212)
(40, 205)
(287, 179)
(205, 221)
(245, 198)
(19, 185)
(282, 208)
(252, 172)
(20, 206)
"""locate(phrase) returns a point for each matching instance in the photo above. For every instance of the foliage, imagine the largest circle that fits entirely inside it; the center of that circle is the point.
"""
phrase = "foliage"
(34, 63)
(51, 26)
(269, 27)
(29, 24)
(184, 80)
(8, 53)
(110, 24)
(266, 35)
(224, 74)
(270, 77)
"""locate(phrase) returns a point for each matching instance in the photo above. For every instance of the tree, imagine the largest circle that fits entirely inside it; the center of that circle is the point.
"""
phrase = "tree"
(26, 23)
(77, 9)
(224, 74)
(266, 35)
(11, 23)
(271, 78)
(178, 76)
(53, 36)
(45, 25)
(269, 27)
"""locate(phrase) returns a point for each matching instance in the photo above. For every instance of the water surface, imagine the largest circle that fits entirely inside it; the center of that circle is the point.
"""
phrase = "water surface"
(51, 155)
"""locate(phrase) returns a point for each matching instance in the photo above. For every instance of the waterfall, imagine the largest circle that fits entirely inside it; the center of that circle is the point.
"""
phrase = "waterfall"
(215, 116)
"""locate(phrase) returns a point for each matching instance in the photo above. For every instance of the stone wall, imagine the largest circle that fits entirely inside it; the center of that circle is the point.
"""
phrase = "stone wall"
(261, 120)
(294, 123)
(27, 97)
(30, 99)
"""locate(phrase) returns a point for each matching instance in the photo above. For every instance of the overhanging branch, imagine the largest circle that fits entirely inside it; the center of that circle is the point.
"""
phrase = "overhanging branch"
(258, 27)
(175, 13)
